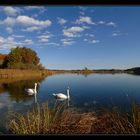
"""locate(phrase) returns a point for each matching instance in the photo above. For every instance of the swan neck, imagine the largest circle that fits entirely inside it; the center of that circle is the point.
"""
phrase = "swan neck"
(68, 93)
(35, 89)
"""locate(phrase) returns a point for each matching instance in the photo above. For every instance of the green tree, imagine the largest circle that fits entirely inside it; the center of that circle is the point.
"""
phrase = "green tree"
(22, 58)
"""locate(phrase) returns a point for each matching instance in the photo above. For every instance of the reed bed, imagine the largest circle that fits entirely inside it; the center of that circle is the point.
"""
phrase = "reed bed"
(38, 121)
(116, 122)
(18, 79)
(59, 120)
(17, 73)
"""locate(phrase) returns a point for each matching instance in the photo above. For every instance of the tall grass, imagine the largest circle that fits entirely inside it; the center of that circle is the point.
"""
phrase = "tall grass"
(58, 120)
(135, 117)
(116, 122)
(38, 121)
(17, 73)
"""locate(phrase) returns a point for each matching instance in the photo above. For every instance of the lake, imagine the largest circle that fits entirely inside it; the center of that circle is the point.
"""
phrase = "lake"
(87, 93)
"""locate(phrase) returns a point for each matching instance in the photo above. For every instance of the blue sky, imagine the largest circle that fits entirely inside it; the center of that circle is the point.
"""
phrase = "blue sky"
(72, 37)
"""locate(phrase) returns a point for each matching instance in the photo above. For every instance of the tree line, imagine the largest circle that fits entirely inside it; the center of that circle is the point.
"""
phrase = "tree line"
(20, 58)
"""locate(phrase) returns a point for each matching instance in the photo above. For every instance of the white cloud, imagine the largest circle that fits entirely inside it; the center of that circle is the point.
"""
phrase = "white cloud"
(61, 21)
(7, 43)
(82, 13)
(84, 19)
(53, 44)
(68, 34)
(67, 42)
(86, 27)
(90, 39)
(89, 35)
(9, 21)
(72, 32)
(85, 39)
(95, 41)
(18, 36)
(26, 21)
(40, 10)
(10, 38)
(9, 29)
(31, 29)
(111, 24)
(101, 22)
(10, 11)
(66, 39)
(116, 33)
(2, 40)
(33, 7)
(27, 41)
(10, 42)
(44, 38)
(82, 8)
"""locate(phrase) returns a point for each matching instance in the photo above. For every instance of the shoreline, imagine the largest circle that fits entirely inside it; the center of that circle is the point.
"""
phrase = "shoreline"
(17, 73)
(73, 122)
(25, 74)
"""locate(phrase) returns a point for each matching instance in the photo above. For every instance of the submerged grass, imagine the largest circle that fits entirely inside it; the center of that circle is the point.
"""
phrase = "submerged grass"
(59, 120)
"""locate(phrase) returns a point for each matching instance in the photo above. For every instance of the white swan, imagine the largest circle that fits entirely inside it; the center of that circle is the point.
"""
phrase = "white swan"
(61, 95)
(32, 91)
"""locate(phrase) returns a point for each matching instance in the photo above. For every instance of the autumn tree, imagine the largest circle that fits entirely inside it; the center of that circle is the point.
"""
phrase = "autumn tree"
(2, 59)
(22, 58)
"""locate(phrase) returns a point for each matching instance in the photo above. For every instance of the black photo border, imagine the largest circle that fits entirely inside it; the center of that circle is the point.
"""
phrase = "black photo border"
(68, 3)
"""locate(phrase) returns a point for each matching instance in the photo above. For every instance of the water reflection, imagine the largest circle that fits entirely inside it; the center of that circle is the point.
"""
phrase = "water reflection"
(64, 101)
(16, 90)
(88, 93)
(35, 98)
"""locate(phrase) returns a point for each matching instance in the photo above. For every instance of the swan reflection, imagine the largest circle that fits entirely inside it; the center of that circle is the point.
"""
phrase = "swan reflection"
(64, 101)
(35, 98)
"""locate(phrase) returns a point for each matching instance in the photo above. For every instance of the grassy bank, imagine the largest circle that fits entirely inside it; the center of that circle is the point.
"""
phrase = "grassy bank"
(58, 120)
(16, 73)
(19, 79)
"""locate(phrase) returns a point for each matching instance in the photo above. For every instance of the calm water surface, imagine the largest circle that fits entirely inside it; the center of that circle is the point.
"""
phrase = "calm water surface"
(87, 93)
